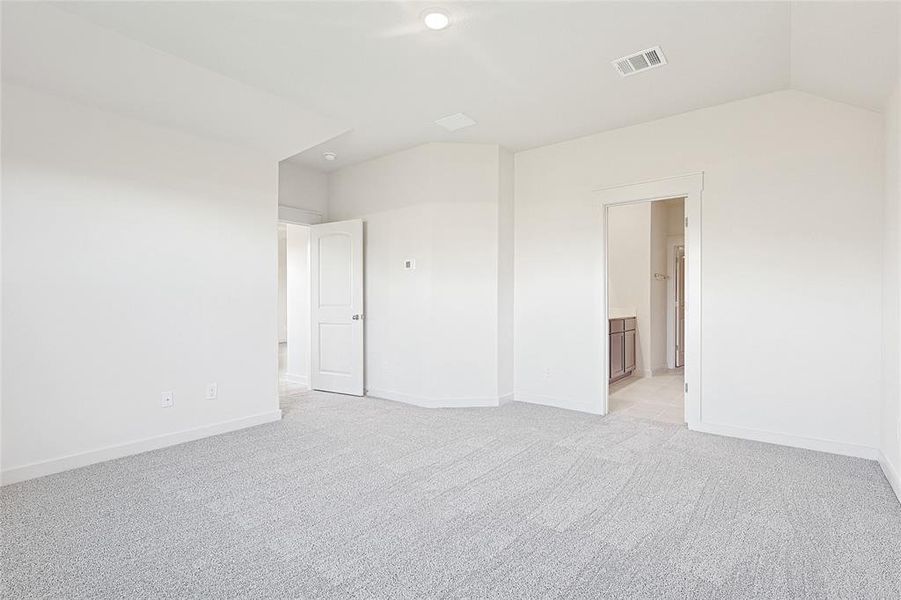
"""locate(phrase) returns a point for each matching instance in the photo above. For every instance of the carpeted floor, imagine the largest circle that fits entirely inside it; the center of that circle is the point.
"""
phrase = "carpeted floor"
(351, 498)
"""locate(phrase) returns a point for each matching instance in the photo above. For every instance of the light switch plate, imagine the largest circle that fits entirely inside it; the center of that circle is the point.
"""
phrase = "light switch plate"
(212, 391)
(167, 399)
(409, 264)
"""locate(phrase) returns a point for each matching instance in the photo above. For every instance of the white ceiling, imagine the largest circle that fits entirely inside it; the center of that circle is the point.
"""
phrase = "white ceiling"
(846, 51)
(530, 73)
(56, 52)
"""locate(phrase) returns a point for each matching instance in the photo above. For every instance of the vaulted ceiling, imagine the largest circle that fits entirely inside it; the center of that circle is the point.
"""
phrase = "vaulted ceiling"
(369, 78)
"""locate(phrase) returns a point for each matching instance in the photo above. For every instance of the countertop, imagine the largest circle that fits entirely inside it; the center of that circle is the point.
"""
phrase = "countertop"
(619, 315)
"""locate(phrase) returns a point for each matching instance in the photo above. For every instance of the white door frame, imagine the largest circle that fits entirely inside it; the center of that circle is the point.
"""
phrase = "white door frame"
(298, 216)
(689, 187)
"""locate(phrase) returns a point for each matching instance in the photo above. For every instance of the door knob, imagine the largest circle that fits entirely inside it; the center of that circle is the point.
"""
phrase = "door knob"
(357, 317)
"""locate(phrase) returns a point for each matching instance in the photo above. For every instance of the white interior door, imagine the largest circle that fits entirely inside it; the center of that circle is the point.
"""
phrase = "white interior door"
(336, 270)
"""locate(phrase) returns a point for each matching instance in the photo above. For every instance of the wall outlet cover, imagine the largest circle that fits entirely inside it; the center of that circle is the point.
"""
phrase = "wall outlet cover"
(167, 399)
(409, 264)
(212, 391)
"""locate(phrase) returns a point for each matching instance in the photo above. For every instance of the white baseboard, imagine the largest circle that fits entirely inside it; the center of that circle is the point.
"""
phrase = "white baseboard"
(433, 402)
(784, 439)
(556, 403)
(891, 473)
(74, 461)
(298, 379)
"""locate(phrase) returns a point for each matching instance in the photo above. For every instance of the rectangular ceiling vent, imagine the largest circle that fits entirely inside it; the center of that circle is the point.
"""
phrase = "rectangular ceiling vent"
(640, 61)
(456, 121)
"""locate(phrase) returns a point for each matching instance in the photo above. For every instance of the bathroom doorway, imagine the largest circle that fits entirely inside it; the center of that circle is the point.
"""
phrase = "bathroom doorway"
(683, 325)
(645, 271)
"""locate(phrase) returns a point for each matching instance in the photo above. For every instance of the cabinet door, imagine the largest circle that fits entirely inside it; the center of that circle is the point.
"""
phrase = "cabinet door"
(616, 355)
(629, 351)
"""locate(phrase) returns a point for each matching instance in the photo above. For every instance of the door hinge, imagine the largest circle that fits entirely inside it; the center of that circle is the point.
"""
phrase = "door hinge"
(686, 388)
(686, 221)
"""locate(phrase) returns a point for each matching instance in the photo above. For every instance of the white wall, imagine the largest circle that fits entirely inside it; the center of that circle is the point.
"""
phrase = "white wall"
(431, 333)
(282, 284)
(298, 286)
(890, 442)
(629, 287)
(136, 260)
(304, 189)
(505, 258)
(792, 211)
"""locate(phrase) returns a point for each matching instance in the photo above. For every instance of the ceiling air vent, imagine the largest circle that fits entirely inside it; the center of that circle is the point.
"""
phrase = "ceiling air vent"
(640, 61)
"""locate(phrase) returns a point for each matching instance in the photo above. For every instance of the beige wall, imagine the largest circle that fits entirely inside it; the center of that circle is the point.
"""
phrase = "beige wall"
(675, 236)
(659, 222)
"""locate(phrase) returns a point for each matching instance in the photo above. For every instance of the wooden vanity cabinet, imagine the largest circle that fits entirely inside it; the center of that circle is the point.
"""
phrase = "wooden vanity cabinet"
(622, 348)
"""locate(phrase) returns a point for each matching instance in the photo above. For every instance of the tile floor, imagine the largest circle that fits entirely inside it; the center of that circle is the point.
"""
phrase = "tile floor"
(657, 398)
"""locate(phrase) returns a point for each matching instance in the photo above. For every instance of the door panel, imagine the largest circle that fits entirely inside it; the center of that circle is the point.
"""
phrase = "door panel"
(617, 325)
(334, 339)
(336, 268)
(616, 355)
(629, 351)
(336, 281)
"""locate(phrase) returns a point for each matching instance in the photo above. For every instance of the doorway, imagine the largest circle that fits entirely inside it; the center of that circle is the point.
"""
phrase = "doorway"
(689, 189)
(294, 341)
(320, 309)
(645, 375)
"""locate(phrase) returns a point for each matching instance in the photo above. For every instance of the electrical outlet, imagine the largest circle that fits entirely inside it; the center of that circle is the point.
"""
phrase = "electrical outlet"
(547, 373)
(167, 399)
(212, 391)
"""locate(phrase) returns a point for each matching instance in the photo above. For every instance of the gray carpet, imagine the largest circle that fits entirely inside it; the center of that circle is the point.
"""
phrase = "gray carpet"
(350, 498)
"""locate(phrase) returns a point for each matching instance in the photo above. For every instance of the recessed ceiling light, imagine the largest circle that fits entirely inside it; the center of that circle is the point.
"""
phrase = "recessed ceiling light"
(436, 19)
(329, 155)
(455, 121)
